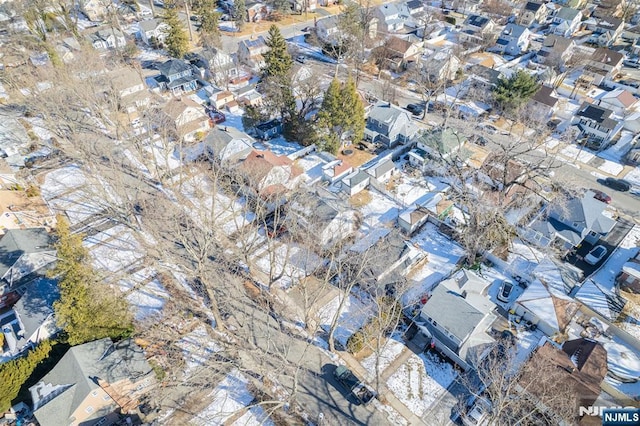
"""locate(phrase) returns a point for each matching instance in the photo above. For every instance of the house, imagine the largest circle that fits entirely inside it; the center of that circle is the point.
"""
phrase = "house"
(185, 118)
(532, 13)
(248, 95)
(513, 40)
(605, 30)
(555, 51)
(596, 124)
(221, 64)
(30, 320)
(220, 98)
(268, 174)
(381, 170)
(355, 182)
(95, 10)
(604, 64)
(152, 31)
(619, 101)
(228, 145)
(106, 39)
(440, 67)
(389, 125)
(457, 315)
(126, 86)
(566, 21)
(250, 52)
(23, 252)
(176, 76)
(397, 53)
(390, 19)
(543, 104)
(580, 219)
(483, 78)
(476, 28)
(256, 11)
(382, 259)
(577, 369)
(629, 278)
(93, 384)
(321, 217)
(300, 74)
(268, 130)
(327, 29)
(413, 217)
(335, 170)
(435, 145)
(301, 6)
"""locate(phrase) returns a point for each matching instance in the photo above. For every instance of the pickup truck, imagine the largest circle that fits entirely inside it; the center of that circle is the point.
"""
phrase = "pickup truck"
(350, 382)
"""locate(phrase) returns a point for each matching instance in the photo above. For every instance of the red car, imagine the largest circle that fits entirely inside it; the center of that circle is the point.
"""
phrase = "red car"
(601, 196)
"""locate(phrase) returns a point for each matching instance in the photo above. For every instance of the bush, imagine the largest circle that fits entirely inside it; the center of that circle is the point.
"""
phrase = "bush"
(32, 191)
(15, 373)
(355, 343)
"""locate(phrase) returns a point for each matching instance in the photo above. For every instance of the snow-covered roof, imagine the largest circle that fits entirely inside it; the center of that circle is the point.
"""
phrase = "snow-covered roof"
(601, 300)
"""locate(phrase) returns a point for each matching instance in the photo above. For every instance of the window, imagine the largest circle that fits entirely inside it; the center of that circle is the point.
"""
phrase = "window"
(106, 397)
(89, 409)
(94, 393)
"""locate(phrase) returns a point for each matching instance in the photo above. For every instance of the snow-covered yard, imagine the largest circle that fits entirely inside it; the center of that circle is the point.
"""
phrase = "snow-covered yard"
(575, 153)
(115, 253)
(420, 381)
(289, 260)
(229, 400)
(146, 295)
(197, 347)
(357, 310)
(390, 350)
(379, 212)
(442, 256)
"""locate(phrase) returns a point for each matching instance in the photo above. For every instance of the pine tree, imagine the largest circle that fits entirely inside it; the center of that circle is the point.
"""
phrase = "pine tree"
(341, 115)
(87, 309)
(15, 373)
(209, 19)
(239, 13)
(278, 62)
(176, 41)
(513, 92)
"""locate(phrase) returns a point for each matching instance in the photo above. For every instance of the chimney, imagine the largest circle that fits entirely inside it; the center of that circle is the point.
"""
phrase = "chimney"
(464, 294)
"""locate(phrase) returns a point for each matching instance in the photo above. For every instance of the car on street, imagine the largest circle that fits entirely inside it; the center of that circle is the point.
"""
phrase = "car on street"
(415, 109)
(596, 255)
(350, 382)
(617, 184)
(505, 291)
(601, 196)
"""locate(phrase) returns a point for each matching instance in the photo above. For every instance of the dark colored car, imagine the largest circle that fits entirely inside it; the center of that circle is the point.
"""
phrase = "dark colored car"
(617, 184)
(350, 382)
(301, 59)
(415, 109)
(601, 196)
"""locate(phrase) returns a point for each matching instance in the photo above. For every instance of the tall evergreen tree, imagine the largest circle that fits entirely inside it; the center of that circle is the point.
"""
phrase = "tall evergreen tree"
(278, 62)
(176, 41)
(87, 309)
(341, 115)
(209, 20)
(513, 92)
(15, 373)
(239, 13)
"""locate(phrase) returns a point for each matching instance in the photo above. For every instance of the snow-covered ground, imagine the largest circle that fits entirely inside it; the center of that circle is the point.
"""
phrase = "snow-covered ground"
(523, 258)
(442, 256)
(391, 349)
(311, 164)
(576, 153)
(60, 181)
(116, 253)
(634, 176)
(420, 381)
(146, 295)
(197, 347)
(289, 260)
(617, 152)
(357, 310)
(628, 248)
(379, 212)
(229, 399)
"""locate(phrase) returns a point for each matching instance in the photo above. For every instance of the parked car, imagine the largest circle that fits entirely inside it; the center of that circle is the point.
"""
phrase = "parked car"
(350, 382)
(617, 184)
(415, 109)
(601, 196)
(595, 255)
(505, 291)
(301, 59)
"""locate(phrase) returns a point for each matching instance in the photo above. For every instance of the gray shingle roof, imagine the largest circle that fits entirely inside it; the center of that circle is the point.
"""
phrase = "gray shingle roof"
(567, 13)
(452, 312)
(17, 242)
(173, 66)
(386, 113)
(65, 387)
(532, 6)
